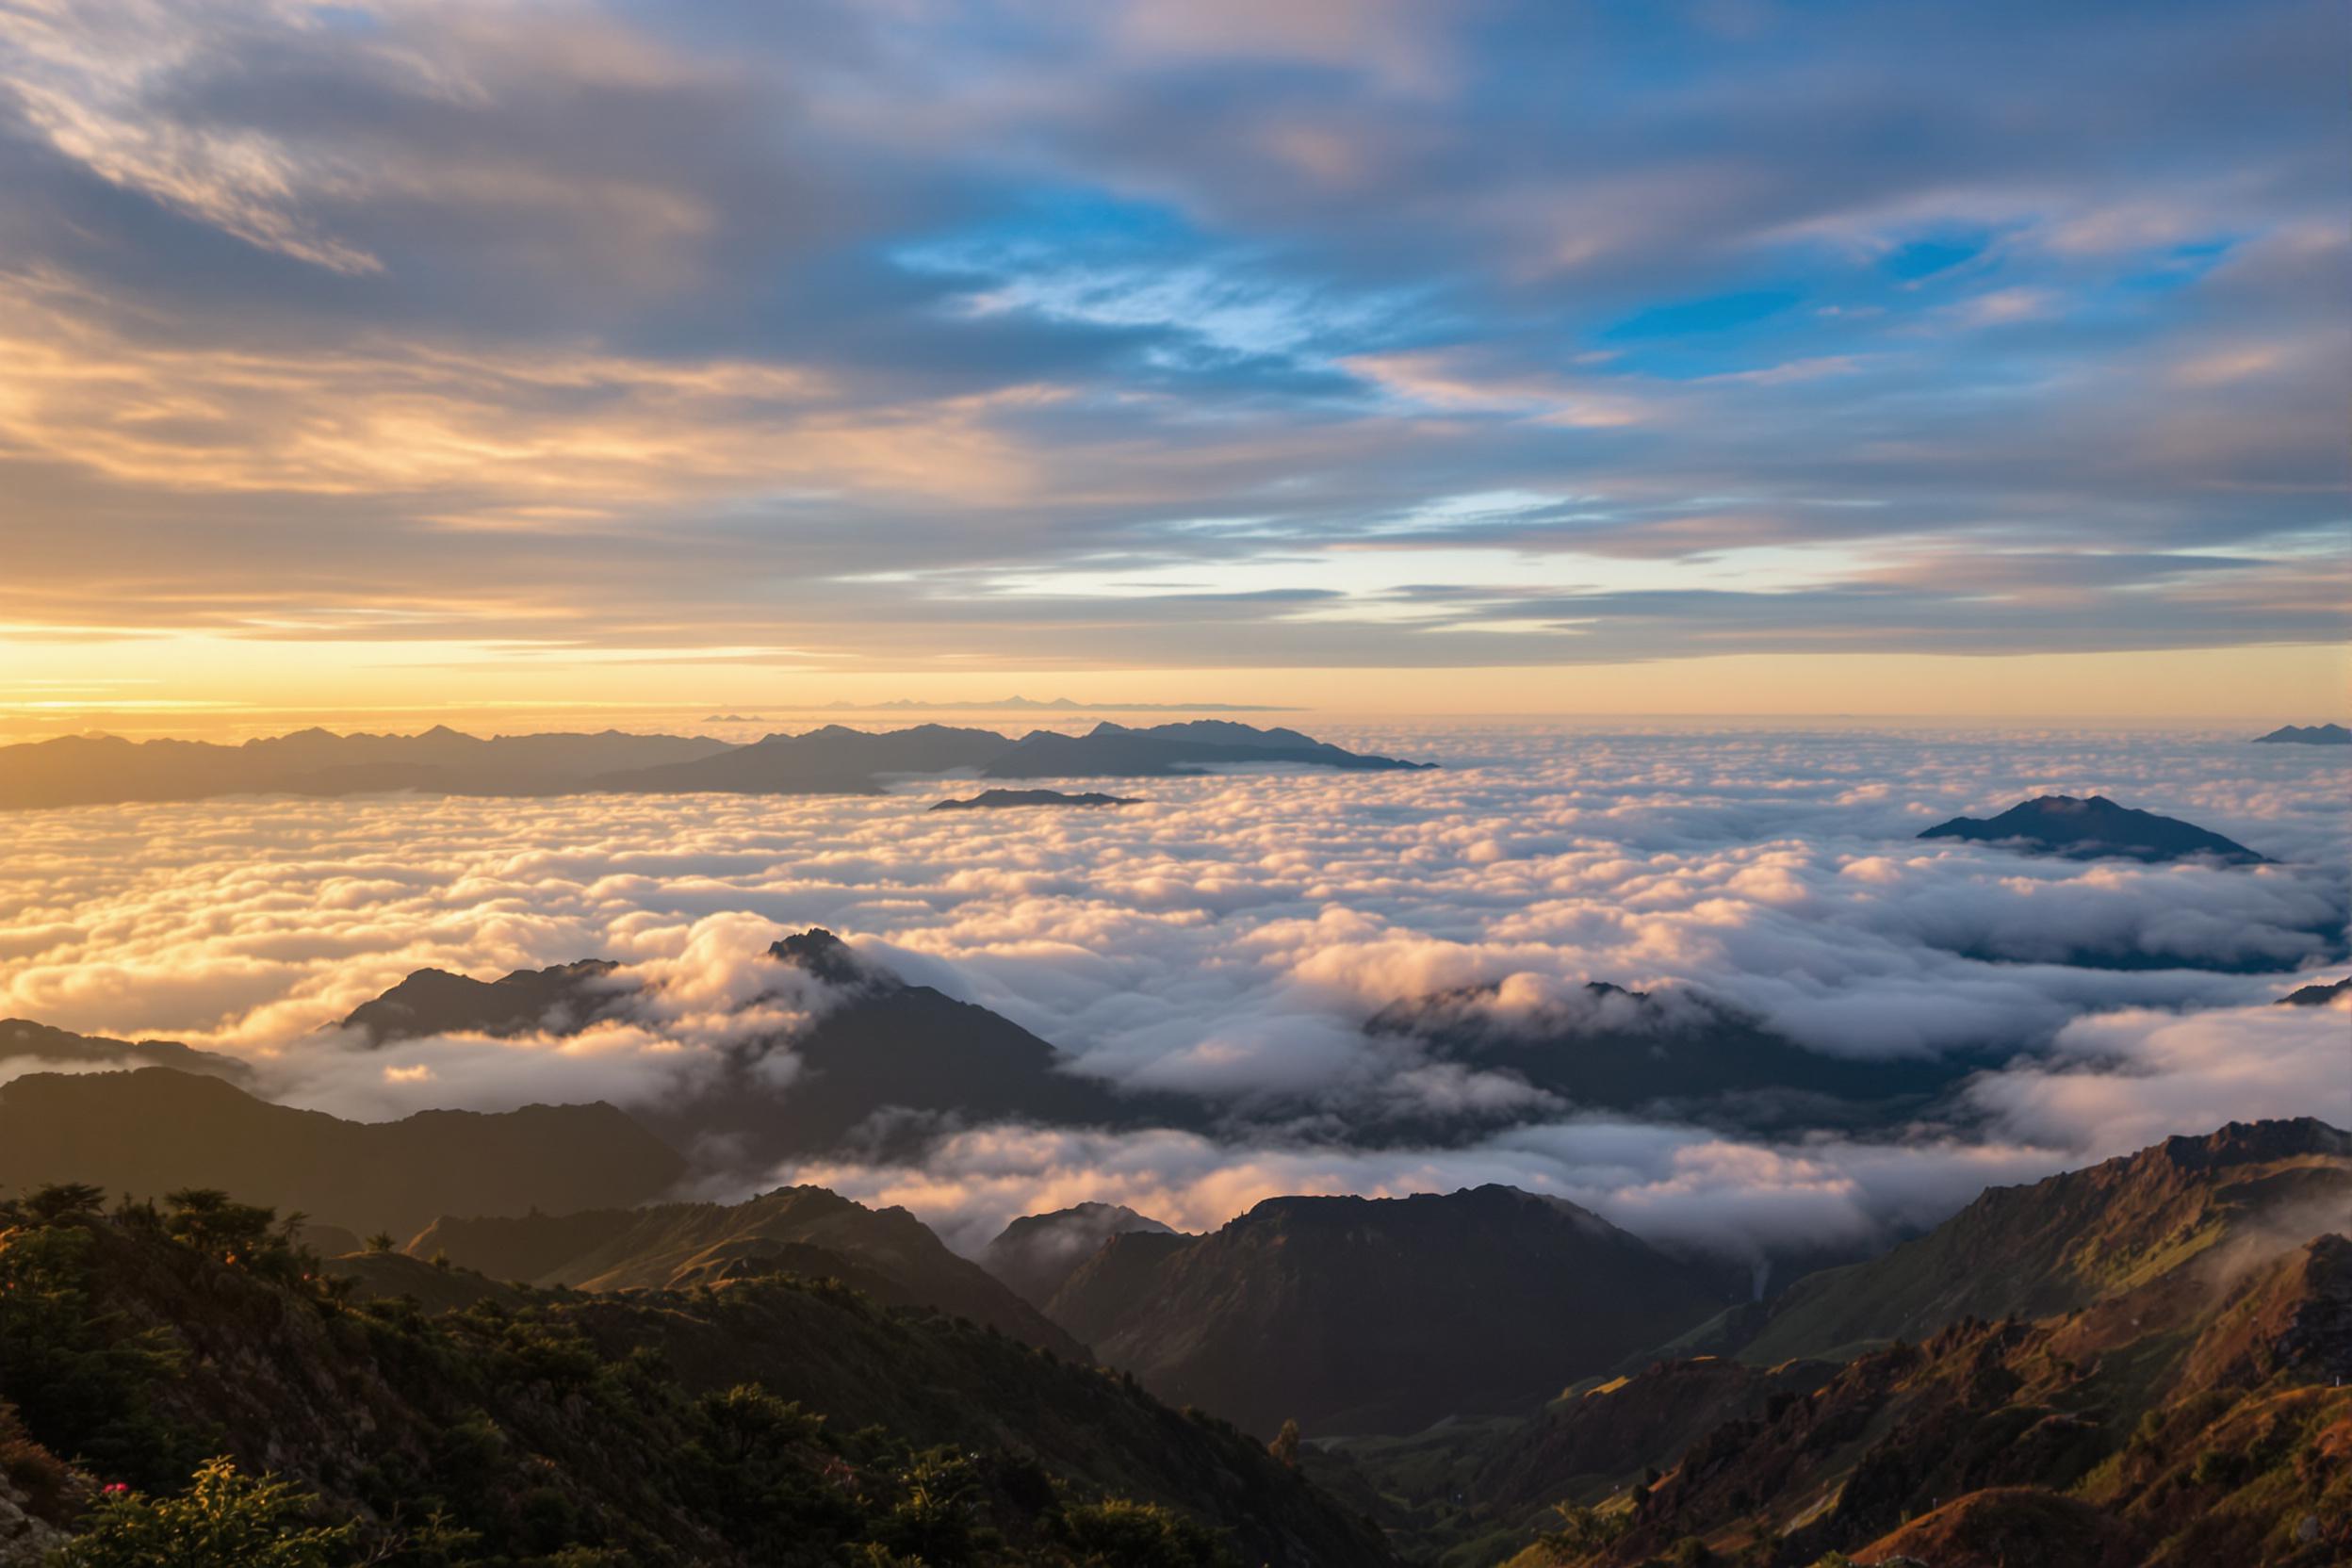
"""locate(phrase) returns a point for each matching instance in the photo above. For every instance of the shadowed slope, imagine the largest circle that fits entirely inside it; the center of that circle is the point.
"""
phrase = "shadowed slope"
(807, 1230)
(1353, 1314)
(155, 1130)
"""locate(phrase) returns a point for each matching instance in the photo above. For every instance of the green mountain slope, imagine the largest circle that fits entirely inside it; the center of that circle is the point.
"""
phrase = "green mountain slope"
(2060, 1244)
(762, 1422)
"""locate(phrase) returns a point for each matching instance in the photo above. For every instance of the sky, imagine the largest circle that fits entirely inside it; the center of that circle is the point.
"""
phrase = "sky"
(1229, 938)
(1731, 356)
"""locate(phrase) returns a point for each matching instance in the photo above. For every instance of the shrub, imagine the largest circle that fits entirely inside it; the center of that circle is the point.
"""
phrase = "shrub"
(223, 1520)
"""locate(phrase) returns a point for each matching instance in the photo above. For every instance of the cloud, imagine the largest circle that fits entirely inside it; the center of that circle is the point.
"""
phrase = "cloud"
(898, 328)
(2125, 1079)
(1230, 937)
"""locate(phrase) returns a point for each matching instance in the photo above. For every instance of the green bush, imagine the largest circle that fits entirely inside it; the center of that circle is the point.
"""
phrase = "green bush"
(223, 1520)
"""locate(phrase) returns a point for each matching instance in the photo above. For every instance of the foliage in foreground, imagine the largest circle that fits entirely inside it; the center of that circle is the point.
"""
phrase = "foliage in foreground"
(508, 1437)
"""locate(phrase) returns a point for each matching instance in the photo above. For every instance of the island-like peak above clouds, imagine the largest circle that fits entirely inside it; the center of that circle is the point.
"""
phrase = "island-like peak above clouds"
(2094, 829)
(2307, 735)
(1007, 800)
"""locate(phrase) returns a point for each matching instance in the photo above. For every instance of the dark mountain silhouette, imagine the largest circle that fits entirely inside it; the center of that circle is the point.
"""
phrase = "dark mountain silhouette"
(767, 1421)
(2302, 996)
(2096, 828)
(831, 761)
(1036, 1253)
(559, 1000)
(24, 1042)
(1170, 750)
(153, 1131)
(1383, 1315)
(95, 770)
(2061, 1243)
(835, 759)
(2307, 735)
(887, 1253)
(884, 1065)
(1679, 1055)
(1000, 800)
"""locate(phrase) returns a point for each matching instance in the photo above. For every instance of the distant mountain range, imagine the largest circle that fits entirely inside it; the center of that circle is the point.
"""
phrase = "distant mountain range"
(2307, 735)
(2302, 996)
(2094, 829)
(1052, 705)
(1172, 750)
(99, 770)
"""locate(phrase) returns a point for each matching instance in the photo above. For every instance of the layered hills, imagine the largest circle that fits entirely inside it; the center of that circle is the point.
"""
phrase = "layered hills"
(2094, 829)
(2307, 735)
(888, 1254)
(833, 759)
(1380, 1314)
(27, 1047)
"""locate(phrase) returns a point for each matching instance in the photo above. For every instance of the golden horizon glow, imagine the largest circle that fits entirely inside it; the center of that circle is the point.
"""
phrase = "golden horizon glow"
(183, 684)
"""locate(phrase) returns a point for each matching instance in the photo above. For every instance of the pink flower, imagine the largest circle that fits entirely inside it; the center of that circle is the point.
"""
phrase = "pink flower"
(115, 1489)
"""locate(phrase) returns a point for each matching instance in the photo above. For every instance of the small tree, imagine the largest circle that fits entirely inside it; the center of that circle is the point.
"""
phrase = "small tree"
(63, 1200)
(1286, 1444)
(381, 1242)
(224, 1520)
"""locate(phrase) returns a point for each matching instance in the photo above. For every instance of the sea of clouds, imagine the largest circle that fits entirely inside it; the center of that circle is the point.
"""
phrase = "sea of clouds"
(1230, 937)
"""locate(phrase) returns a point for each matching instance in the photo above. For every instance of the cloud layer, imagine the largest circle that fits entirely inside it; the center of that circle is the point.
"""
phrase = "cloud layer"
(1230, 937)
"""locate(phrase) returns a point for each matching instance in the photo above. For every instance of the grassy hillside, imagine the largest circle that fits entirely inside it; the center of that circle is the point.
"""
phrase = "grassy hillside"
(2063, 1243)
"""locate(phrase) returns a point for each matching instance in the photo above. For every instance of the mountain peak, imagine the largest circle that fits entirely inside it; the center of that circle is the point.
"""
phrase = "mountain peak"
(2093, 827)
(2307, 735)
(824, 955)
